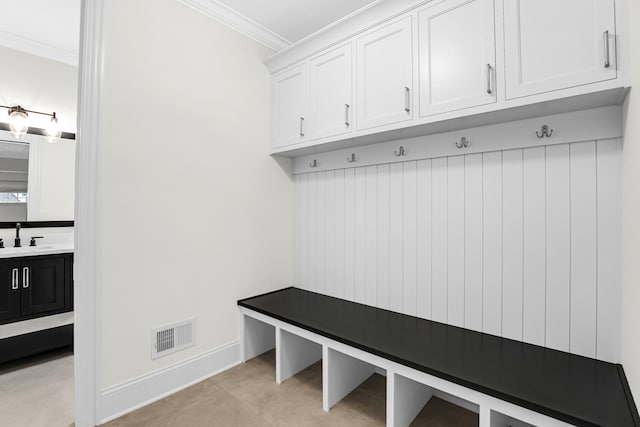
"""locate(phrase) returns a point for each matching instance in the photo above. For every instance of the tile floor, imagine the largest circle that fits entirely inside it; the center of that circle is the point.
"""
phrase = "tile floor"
(38, 391)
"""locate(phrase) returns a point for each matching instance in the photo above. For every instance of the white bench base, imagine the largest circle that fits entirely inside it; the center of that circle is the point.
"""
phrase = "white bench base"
(346, 367)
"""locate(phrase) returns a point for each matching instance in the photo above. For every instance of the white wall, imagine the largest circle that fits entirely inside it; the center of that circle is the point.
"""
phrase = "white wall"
(631, 213)
(521, 243)
(39, 84)
(194, 212)
(57, 180)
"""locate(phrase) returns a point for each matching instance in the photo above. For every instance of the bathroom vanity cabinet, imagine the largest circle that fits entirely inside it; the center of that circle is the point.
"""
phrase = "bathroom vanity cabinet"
(35, 286)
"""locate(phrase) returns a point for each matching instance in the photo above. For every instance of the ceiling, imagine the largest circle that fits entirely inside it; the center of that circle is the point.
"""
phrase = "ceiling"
(51, 28)
(294, 20)
(42, 27)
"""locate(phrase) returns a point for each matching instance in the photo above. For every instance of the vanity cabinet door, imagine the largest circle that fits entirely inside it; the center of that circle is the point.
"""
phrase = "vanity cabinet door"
(9, 291)
(457, 56)
(43, 285)
(552, 45)
(385, 75)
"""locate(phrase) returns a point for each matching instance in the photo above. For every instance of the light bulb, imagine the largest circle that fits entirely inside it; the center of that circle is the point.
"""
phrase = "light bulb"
(18, 123)
(53, 132)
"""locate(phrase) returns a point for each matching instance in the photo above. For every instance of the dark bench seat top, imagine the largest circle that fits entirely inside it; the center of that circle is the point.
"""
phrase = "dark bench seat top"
(571, 388)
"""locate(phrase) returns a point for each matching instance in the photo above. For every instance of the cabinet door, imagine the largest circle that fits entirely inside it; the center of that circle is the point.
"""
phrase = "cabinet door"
(9, 291)
(552, 45)
(330, 79)
(289, 106)
(457, 56)
(43, 285)
(385, 75)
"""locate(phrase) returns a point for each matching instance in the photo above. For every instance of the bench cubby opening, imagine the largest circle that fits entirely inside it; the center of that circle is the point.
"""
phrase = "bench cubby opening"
(408, 398)
(502, 420)
(294, 354)
(342, 374)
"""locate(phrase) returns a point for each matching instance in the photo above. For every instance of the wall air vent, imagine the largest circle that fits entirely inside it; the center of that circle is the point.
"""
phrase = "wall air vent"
(171, 338)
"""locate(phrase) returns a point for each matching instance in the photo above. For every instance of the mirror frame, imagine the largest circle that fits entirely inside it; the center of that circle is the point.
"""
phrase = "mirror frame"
(36, 224)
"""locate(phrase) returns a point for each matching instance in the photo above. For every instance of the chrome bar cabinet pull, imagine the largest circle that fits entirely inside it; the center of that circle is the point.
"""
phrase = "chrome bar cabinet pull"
(14, 279)
(607, 56)
(25, 277)
(346, 115)
(407, 99)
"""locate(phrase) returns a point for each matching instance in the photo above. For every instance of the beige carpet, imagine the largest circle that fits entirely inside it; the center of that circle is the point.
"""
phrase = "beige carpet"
(248, 395)
(37, 392)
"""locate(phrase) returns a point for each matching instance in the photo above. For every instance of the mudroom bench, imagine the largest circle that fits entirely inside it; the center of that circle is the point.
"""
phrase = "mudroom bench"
(507, 382)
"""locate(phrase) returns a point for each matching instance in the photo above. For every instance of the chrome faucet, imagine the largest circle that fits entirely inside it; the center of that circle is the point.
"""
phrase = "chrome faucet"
(16, 242)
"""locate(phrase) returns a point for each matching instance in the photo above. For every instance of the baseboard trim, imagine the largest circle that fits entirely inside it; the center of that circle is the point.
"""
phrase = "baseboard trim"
(123, 398)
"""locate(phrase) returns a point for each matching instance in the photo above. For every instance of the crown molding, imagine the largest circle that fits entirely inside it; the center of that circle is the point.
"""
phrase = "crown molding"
(224, 14)
(37, 48)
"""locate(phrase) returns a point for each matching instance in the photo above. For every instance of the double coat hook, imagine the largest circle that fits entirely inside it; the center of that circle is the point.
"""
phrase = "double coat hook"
(400, 151)
(544, 131)
(314, 163)
(351, 158)
(463, 143)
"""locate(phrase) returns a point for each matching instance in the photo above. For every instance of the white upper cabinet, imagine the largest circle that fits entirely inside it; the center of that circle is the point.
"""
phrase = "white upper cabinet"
(289, 99)
(552, 45)
(330, 82)
(384, 75)
(457, 56)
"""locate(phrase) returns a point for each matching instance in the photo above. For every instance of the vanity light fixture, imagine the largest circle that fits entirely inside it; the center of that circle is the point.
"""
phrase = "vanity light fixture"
(19, 123)
(53, 131)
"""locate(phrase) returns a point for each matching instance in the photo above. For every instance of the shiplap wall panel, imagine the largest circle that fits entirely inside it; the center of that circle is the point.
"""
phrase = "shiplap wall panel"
(304, 231)
(608, 337)
(330, 235)
(492, 243)
(423, 243)
(558, 247)
(455, 245)
(360, 236)
(321, 232)
(534, 278)
(371, 235)
(297, 228)
(395, 236)
(409, 236)
(349, 233)
(339, 242)
(384, 221)
(313, 231)
(473, 243)
(521, 243)
(512, 243)
(439, 224)
(583, 249)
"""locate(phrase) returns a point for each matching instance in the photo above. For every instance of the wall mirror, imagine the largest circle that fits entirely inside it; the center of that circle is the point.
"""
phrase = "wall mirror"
(36, 179)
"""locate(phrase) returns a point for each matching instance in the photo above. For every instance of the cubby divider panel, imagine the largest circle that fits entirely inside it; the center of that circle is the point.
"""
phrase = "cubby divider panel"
(258, 337)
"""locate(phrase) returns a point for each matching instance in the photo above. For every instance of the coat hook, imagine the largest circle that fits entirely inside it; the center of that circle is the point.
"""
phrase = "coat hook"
(352, 158)
(400, 151)
(314, 163)
(464, 142)
(544, 131)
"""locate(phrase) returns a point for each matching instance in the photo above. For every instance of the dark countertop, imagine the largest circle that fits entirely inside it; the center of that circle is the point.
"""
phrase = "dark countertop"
(571, 388)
